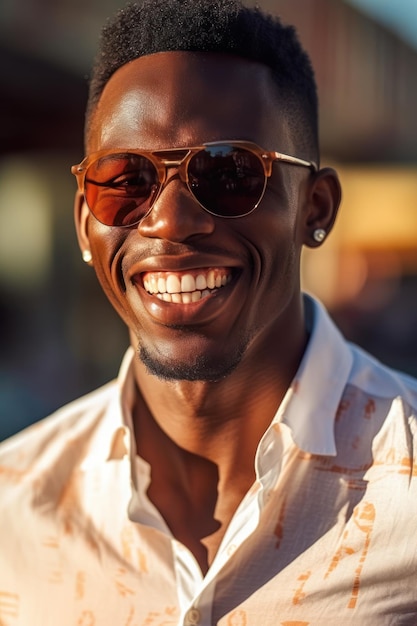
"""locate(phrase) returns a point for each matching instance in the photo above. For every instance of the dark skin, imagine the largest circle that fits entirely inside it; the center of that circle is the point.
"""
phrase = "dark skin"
(200, 437)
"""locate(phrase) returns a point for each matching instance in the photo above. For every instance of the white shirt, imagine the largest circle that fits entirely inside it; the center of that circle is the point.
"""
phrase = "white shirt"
(327, 535)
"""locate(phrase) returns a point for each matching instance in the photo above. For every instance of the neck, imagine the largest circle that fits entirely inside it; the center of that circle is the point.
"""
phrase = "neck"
(219, 420)
(200, 438)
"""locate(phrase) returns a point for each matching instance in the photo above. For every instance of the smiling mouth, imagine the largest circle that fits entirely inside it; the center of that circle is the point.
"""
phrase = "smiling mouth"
(186, 287)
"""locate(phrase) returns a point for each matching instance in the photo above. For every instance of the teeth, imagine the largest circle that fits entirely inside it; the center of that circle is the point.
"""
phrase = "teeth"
(183, 298)
(188, 283)
(211, 281)
(187, 288)
(200, 282)
(173, 284)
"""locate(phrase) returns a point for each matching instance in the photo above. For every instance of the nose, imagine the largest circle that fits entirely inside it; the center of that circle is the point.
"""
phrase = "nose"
(176, 215)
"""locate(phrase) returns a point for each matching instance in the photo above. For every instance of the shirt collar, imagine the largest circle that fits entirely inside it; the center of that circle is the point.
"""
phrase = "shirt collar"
(311, 402)
(114, 439)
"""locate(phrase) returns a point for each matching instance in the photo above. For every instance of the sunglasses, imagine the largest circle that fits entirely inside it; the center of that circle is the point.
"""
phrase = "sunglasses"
(227, 178)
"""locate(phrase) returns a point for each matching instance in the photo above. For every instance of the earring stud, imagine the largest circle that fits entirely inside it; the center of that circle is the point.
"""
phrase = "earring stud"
(87, 256)
(319, 235)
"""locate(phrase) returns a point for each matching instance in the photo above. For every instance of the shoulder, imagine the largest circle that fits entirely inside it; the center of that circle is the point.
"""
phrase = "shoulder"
(343, 364)
(377, 379)
(74, 420)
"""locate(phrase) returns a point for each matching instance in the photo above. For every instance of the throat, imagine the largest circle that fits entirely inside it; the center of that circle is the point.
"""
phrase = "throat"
(196, 496)
(197, 519)
(200, 472)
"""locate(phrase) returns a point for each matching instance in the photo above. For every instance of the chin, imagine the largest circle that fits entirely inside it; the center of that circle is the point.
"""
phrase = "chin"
(199, 368)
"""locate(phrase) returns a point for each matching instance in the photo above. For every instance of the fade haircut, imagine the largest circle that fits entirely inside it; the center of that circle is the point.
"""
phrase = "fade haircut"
(223, 26)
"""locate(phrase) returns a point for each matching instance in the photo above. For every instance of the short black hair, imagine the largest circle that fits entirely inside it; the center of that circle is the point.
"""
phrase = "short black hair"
(224, 26)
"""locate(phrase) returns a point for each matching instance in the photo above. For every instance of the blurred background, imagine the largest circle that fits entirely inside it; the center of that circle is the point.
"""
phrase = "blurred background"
(59, 337)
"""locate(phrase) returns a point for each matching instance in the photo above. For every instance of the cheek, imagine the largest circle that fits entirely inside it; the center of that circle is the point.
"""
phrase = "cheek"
(106, 245)
(274, 239)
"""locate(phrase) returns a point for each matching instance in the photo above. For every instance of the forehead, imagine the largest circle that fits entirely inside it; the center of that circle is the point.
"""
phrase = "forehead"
(184, 98)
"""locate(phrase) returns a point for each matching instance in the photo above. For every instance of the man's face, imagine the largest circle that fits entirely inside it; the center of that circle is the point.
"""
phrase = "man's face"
(247, 269)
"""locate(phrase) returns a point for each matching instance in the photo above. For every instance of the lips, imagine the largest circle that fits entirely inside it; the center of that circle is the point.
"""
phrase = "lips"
(186, 287)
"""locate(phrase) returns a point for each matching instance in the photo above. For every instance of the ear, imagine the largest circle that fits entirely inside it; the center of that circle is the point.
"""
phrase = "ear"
(323, 203)
(81, 213)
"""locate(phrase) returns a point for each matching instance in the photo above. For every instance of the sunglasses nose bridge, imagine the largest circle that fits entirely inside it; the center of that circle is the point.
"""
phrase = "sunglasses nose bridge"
(180, 165)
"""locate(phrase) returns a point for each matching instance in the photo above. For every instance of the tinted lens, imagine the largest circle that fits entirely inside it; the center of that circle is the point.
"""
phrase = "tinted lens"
(120, 188)
(227, 180)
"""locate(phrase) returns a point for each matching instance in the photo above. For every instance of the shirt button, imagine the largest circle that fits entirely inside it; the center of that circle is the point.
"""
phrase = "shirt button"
(192, 617)
(231, 549)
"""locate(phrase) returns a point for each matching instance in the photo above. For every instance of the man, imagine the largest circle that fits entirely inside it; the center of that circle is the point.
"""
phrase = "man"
(249, 467)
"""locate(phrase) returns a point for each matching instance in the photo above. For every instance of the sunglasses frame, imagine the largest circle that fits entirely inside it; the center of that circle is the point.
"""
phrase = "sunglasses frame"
(160, 159)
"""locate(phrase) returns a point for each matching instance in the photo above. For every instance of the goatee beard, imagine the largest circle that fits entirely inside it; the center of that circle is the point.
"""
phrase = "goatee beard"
(200, 368)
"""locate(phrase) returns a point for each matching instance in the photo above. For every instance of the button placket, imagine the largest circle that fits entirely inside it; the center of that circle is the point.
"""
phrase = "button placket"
(192, 617)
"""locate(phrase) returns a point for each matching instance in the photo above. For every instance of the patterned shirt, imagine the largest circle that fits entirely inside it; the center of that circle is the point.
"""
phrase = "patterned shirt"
(326, 535)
